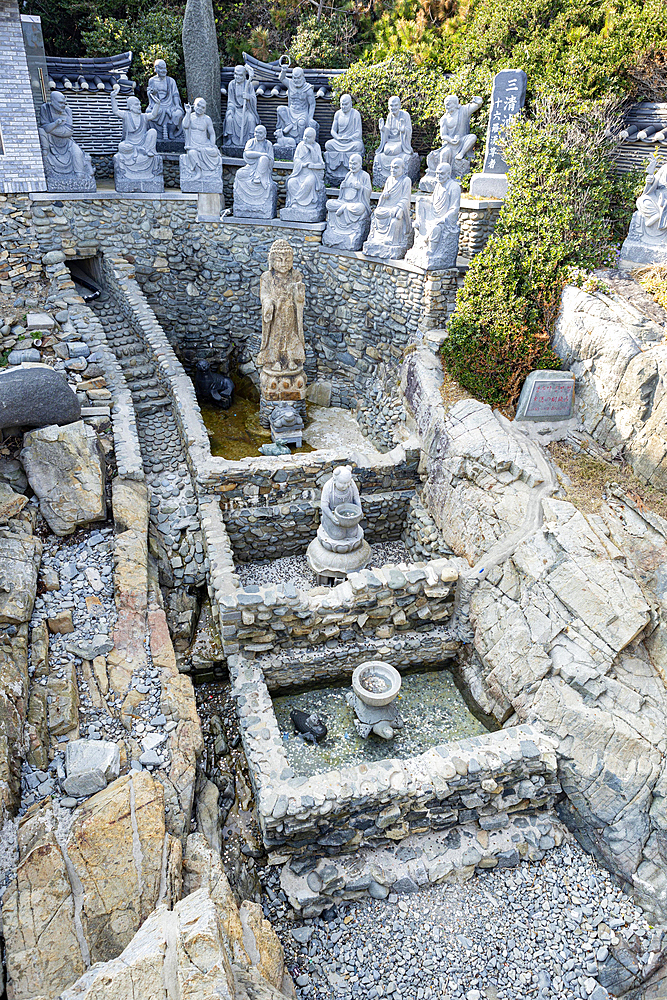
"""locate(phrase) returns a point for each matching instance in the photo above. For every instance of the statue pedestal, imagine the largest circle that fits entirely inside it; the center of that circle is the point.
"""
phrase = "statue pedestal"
(70, 182)
(328, 566)
(639, 248)
(203, 182)
(277, 387)
(488, 185)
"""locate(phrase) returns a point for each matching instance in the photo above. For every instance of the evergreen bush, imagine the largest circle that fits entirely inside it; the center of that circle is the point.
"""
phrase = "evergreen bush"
(566, 211)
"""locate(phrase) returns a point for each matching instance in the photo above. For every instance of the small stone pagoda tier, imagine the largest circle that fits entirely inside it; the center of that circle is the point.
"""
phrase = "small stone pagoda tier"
(282, 353)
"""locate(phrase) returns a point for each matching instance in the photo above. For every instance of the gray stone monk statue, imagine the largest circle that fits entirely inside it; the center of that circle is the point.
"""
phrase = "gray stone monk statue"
(241, 116)
(163, 92)
(391, 224)
(66, 165)
(255, 191)
(137, 167)
(306, 193)
(282, 294)
(339, 547)
(646, 242)
(348, 216)
(346, 139)
(456, 140)
(436, 226)
(395, 143)
(293, 120)
(201, 164)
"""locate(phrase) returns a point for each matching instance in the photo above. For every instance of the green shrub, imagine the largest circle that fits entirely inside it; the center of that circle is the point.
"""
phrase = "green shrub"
(153, 34)
(566, 209)
(327, 42)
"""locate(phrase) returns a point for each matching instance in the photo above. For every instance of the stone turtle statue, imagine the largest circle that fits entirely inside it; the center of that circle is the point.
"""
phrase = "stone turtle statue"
(212, 387)
(308, 725)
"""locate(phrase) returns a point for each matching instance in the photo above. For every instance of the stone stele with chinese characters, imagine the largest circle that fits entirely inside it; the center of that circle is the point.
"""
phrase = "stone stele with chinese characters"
(507, 100)
(547, 396)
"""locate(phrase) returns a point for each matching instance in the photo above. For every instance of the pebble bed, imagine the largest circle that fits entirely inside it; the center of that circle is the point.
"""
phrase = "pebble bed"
(544, 930)
(81, 570)
(295, 569)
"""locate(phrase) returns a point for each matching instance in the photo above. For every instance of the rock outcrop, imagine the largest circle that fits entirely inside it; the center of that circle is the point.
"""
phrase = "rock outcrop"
(567, 616)
(65, 468)
(613, 342)
(85, 883)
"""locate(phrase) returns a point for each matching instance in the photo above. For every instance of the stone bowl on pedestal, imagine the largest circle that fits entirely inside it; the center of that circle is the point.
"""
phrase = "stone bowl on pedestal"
(349, 515)
(376, 683)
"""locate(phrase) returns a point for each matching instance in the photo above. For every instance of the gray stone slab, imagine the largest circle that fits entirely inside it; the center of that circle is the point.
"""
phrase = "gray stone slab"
(547, 395)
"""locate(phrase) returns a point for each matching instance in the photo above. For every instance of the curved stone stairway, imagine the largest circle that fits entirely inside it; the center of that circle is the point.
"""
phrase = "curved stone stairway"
(173, 499)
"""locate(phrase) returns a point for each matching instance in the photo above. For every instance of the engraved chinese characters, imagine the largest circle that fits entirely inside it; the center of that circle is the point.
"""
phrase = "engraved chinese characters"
(507, 99)
(546, 395)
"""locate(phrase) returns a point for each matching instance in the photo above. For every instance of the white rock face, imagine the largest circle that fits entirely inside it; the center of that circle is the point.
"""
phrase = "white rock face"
(569, 621)
(617, 353)
(66, 470)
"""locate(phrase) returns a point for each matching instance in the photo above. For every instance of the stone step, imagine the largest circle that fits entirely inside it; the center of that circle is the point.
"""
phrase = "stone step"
(151, 406)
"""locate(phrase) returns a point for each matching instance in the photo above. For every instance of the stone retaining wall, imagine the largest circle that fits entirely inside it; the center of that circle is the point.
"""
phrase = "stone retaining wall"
(369, 604)
(258, 534)
(482, 781)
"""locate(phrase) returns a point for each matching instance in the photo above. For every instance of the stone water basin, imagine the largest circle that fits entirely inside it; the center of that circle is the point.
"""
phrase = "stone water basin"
(431, 705)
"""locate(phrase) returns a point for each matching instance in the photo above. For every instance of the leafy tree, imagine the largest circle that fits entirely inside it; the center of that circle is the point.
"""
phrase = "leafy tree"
(324, 42)
(152, 34)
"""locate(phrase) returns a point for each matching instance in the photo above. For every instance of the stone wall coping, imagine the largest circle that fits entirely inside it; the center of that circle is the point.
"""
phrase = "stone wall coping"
(269, 464)
(469, 201)
(110, 195)
(237, 220)
(399, 265)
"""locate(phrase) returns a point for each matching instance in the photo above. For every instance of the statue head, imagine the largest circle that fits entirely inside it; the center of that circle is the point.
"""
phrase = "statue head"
(397, 168)
(160, 68)
(239, 74)
(355, 162)
(200, 106)
(342, 477)
(309, 135)
(203, 366)
(260, 133)
(451, 103)
(346, 103)
(299, 76)
(281, 257)
(58, 100)
(134, 105)
(443, 172)
(394, 104)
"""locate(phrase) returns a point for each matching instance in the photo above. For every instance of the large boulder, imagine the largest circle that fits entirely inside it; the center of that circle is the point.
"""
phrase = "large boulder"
(65, 468)
(177, 953)
(36, 396)
(84, 885)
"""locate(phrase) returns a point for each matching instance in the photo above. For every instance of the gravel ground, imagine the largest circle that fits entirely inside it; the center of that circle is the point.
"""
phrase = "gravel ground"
(295, 569)
(540, 930)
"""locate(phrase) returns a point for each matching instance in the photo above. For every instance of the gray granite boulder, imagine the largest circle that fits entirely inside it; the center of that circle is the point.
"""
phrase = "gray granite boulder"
(65, 468)
(89, 766)
(36, 396)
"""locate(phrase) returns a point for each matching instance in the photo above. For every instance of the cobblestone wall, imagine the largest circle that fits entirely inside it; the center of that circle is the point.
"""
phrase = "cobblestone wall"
(477, 220)
(369, 604)
(21, 167)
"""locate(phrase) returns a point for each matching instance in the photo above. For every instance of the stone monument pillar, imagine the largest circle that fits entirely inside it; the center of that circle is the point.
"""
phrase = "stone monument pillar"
(507, 99)
(282, 352)
(202, 59)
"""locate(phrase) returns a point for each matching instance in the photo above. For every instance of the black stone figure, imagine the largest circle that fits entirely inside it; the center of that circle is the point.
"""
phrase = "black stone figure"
(310, 727)
(212, 387)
